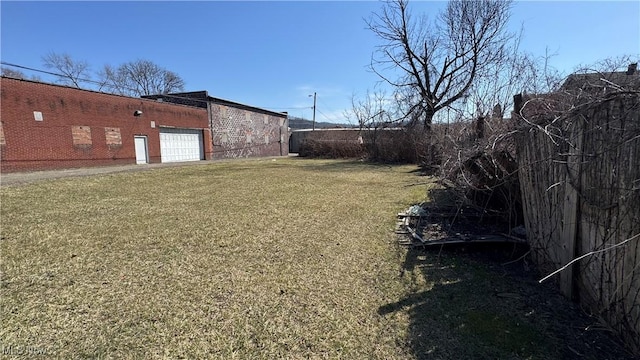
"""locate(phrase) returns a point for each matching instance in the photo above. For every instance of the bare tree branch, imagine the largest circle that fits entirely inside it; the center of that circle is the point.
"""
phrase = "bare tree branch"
(590, 253)
(141, 77)
(73, 71)
(16, 74)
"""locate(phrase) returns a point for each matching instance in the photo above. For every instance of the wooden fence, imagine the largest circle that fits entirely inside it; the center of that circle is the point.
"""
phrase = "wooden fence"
(580, 183)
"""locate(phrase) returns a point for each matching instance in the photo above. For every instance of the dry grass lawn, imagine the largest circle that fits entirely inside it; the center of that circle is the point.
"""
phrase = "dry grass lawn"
(259, 259)
(250, 260)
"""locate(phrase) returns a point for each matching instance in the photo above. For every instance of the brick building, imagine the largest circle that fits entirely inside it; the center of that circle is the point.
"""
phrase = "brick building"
(238, 130)
(45, 126)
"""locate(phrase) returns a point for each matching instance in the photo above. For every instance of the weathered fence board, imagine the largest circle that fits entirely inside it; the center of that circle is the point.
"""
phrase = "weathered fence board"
(580, 183)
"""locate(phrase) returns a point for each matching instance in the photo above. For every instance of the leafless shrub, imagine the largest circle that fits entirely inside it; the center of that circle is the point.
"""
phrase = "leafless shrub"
(332, 144)
(385, 137)
(478, 163)
(395, 145)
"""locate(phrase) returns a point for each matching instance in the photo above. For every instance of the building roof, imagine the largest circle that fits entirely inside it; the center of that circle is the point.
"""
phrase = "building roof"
(74, 88)
(201, 98)
(605, 81)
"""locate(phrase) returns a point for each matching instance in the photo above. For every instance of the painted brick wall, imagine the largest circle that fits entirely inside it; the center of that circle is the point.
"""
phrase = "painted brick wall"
(240, 132)
(82, 128)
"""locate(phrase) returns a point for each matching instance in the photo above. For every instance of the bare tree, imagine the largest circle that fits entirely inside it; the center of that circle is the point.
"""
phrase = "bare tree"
(491, 96)
(141, 77)
(113, 80)
(72, 72)
(371, 111)
(439, 61)
(16, 74)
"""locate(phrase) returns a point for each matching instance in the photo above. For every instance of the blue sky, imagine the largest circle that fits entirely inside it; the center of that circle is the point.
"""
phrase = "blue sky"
(274, 54)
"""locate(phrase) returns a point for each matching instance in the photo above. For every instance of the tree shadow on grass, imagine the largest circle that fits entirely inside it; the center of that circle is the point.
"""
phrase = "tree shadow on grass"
(466, 305)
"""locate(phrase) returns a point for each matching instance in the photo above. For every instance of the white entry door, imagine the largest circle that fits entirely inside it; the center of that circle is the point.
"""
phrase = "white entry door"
(142, 157)
(181, 145)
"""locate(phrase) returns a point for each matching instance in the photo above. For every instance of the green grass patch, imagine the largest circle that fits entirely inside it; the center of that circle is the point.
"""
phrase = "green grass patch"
(501, 333)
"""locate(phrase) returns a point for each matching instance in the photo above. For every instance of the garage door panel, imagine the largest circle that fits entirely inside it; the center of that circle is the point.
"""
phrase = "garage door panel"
(181, 145)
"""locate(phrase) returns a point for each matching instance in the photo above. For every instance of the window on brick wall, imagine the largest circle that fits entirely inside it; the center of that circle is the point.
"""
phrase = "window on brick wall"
(113, 137)
(81, 135)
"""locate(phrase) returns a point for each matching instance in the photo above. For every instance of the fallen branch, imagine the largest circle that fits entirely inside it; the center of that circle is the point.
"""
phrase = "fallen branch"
(589, 254)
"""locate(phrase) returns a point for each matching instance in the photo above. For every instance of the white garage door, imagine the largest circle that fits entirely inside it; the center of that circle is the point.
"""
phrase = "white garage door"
(181, 145)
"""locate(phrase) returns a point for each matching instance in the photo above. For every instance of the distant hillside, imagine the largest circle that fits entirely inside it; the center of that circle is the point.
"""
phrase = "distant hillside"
(299, 123)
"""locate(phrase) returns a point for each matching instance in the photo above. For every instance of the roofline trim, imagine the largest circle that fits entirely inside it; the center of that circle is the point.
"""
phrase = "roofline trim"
(215, 100)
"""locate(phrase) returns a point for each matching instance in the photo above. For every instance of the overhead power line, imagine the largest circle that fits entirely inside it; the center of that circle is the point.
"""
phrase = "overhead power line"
(326, 106)
(32, 69)
(100, 83)
(106, 84)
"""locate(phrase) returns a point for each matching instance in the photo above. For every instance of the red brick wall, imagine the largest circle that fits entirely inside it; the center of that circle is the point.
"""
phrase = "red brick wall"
(80, 128)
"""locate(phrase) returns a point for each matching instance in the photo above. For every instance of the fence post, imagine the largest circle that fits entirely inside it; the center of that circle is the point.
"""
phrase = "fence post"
(571, 207)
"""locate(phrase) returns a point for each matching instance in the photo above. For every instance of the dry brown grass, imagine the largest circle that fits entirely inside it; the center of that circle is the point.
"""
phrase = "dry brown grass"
(285, 259)
(264, 259)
